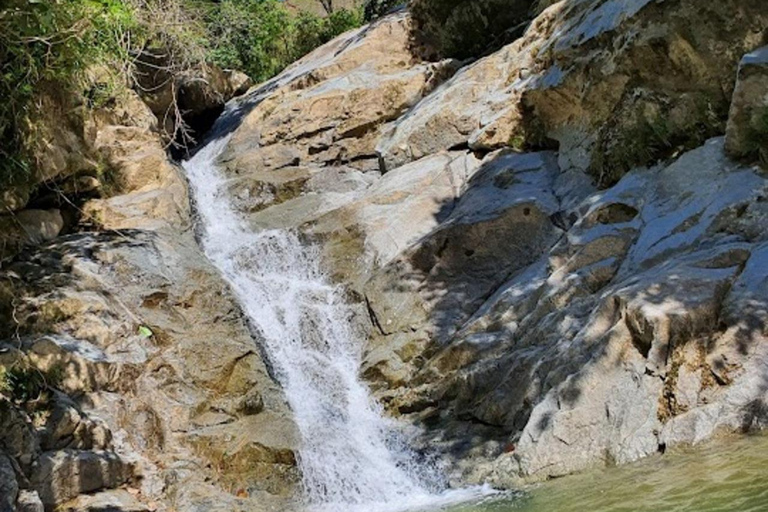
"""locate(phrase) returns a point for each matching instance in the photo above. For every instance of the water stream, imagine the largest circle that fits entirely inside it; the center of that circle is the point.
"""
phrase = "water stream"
(351, 457)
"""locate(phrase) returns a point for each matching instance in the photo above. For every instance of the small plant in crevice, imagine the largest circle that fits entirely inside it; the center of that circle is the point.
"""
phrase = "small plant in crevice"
(22, 383)
(517, 142)
(648, 129)
(468, 28)
(638, 146)
(758, 135)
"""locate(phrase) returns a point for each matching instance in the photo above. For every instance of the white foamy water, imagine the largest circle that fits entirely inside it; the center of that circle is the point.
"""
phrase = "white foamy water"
(352, 458)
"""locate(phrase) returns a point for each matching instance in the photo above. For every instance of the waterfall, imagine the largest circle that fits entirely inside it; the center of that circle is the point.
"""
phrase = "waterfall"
(351, 457)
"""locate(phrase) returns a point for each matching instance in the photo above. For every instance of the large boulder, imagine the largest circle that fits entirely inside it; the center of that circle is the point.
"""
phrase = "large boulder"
(328, 107)
(143, 189)
(193, 98)
(99, 164)
(621, 341)
(61, 476)
(500, 222)
(370, 230)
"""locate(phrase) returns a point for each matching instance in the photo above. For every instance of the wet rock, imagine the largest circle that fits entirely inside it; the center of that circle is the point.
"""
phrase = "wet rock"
(259, 190)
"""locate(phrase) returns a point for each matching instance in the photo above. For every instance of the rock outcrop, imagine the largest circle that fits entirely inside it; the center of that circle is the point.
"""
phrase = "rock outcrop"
(328, 107)
(537, 312)
(557, 260)
(189, 101)
(129, 379)
(613, 84)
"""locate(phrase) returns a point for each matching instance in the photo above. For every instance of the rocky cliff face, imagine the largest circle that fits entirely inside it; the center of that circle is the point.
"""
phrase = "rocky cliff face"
(537, 311)
(130, 379)
(558, 262)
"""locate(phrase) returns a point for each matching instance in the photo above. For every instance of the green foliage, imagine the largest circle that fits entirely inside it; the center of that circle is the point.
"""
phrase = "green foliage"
(55, 42)
(466, 28)
(49, 41)
(22, 383)
(517, 143)
(250, 35)
(640, 145)
(377, 8)
(758, 135)
(262, 37)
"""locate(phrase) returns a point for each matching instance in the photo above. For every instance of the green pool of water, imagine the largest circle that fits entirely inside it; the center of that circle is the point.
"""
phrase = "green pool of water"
(729, 475)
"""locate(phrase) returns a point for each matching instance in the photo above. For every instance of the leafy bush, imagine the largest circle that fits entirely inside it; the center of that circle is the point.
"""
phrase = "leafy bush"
(758, 135)
(57, 41)
(377, 8)
(49, 41)
(262, 37)
(24, 383)
(467, 28)
(249, 35)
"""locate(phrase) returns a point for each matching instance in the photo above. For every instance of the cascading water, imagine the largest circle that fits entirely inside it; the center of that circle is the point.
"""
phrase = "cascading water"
(351, 457)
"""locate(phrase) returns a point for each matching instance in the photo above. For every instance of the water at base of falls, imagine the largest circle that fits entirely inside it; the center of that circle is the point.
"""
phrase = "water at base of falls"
(352, 457)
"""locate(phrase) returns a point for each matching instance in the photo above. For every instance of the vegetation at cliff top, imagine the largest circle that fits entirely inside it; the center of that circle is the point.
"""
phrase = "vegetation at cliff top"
(758, 135)
(468, 28)
(54, 43)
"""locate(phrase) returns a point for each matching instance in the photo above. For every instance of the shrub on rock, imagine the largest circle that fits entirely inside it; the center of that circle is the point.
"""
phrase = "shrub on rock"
(466, 28)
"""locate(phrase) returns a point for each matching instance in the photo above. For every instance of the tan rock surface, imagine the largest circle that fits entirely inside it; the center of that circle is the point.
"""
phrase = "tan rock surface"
(614, 85)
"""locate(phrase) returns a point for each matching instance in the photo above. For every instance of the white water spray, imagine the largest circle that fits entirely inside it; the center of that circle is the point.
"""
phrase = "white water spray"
(351, 457)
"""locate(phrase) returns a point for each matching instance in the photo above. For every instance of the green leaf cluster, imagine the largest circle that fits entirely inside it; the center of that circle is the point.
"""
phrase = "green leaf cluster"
(56, 42)
(49, 41)
(24, 383)
(262, 37)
